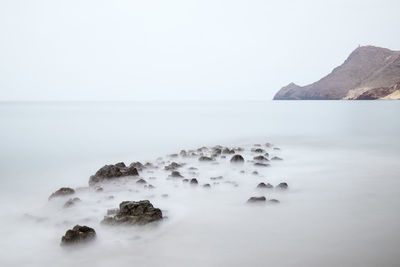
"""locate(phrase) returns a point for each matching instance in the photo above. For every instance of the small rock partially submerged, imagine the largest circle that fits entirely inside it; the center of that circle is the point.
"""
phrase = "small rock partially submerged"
(261, 158)
(204, 158)
(283, 186)
(71, 202)
(194, 181)
(63, 191)
(172, 166)
(237, 159)
(256, 199)
(78, 234)
(258, 164)
(276, 158)
(175, 174)
(134, 213)
(263, 185)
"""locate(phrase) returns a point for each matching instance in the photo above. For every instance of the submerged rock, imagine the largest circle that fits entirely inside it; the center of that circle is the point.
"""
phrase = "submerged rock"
(260, 158)
(205, 158)
(71, 202)
(78, 234)
(228, 151)
(263, 185)
(237, 159)
(258, 150)
(110, 172)
(134, 213)
(194, 181)
(282, 186)
(175, 174)
(141, 181)
(63, 191)
(206, 185)
(256, 199)
(273, 201)
(276, 158)
(258, 164)
(172, 166)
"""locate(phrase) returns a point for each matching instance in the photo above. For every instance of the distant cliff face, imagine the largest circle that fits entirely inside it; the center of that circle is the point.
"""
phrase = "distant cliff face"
(366, 68)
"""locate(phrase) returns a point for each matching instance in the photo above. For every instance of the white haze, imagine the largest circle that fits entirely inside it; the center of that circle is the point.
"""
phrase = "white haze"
(341, 208)
(171, 50)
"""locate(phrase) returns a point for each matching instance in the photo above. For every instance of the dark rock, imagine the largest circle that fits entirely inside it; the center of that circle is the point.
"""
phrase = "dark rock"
(228, 151)
(237, 159)
(261, 164)
(138, 165)
(255, 172)
(183, 153)
(256, 199)
(282, 186)
(120, 165)
(263, 185)
(176, 174)
(258, 150)
(110, 172)
(204, 158)
(71, 202)
(63, 191)
(273, 201)
(185, 180)
(141, 181)
(207, 186)
(194, 181)
(134, 213)
(172, 166)
(260, 158)
(164, 195)
(77, 235)
(276, 158)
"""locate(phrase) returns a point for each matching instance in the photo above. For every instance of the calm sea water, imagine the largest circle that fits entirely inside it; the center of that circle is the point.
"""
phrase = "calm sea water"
(341, 160)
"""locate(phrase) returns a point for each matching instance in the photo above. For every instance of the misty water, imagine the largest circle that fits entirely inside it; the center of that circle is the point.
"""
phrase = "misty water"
(340, 159)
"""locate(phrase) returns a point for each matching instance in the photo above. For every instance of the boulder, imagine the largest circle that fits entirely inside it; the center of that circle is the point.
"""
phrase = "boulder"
(134, 213)
(282, 186)
(110, 172)
(194, 181)
(237, 159)
(175, 174)
(63, 191)
(77, 235)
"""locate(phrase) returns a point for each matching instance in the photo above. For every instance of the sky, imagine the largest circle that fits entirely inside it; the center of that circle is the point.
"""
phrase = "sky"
(131, 50)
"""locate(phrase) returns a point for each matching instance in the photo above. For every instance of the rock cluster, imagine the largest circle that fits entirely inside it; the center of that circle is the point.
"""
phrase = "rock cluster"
(134, 212)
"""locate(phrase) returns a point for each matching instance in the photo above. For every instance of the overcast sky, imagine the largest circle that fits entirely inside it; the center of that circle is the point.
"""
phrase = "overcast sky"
(167, 50)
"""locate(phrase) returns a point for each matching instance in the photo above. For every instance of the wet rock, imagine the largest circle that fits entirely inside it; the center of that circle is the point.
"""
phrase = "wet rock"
(206, 185)
(71, 202)
(172, 166)
(282, 186)
(205, 158)
(141, 181)
(260, 158)
(258, 164)
(175, 174)
(217, 178)
(256, 199)
(78, 235)
(263, 185)
(276, 158)
(194, 181)
(134, 213)
(63, 191)
(237, 159)
(110, 172)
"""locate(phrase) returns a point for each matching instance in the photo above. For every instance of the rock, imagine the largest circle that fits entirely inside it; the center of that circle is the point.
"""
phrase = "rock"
(99, 189)
(260, 158)
(237, 159)
(185, 180)
(258, 164)
(63, 191)
(149, 186)
(138, 165)
(134, 213)
(255, 172)
(173, 155)
(257, 145)
(141, 181)
(193, 169)
(217, 178)
(204, 158)
(112, 211)
(149, 165)
(258, 150)
(172, 166)
(273, 201)
(110, 172)
(176, 174)
(282, 186)
(256, 199)
(71, 202)
(266, 154)
(183, 153)
(263, 185)
(207, 186)
(268, 144)
(277, 148)
(276, 158)
(194, 181)
(164, 195)
(228, 151)
(78, 235)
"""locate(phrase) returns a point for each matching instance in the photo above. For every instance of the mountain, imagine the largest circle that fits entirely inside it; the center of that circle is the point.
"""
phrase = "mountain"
(367, 68)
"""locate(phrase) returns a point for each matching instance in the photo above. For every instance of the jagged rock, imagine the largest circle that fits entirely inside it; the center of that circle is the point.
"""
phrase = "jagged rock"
(256, 199)
(110, 172)
(204, 158)
(282, 186)
(77, 235)
(71, 202)
(134, 212)
(237, 159)
(138, 165)
(263, 185)
(63, 191)
(172, 166)
(258, 164)
(260, 158)
(276, 158)
(194, 181)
